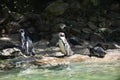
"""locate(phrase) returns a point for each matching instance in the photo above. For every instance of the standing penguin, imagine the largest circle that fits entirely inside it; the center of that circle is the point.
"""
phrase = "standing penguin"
(64, 45)
(27, 44)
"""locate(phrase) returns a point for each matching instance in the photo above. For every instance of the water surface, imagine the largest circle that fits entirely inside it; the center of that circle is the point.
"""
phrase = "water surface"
(76, 71)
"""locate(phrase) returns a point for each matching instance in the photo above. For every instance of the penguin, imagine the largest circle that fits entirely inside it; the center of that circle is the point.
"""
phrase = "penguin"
(97, 51)
(64, 45)
(26, 43)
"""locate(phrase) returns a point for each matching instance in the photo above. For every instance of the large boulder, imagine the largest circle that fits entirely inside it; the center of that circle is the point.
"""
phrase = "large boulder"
(56, 8)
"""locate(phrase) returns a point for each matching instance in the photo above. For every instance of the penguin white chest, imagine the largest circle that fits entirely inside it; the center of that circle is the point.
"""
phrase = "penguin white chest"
(62, 47)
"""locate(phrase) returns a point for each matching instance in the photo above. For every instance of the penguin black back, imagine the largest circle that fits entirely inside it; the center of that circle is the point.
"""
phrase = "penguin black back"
(27, 44)
(97, 51)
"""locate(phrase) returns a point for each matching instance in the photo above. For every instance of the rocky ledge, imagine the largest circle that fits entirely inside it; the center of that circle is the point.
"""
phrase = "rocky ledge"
(40, 61)
(48, 56)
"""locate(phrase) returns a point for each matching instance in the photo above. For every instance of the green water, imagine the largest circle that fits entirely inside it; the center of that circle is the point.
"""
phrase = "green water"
(77, 71)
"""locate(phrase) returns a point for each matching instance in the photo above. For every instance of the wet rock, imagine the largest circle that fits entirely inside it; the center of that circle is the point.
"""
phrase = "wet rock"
(24, 62)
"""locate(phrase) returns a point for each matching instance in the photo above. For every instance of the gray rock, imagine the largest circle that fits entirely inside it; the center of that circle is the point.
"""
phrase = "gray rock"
(115, 35)
(116, 23)
(11, 52)
(92, 26)
(96, 38)
(57, 8)
(87, 30)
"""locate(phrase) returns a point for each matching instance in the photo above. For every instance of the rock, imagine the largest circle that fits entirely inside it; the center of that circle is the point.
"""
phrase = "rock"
(81, 50)
(74, 5)
(115, 36)
(85, 36)
(96, 38)
(108, 45)
(5, 42)
(93, 18)
(92, 26)
(104, 30)
(112, 54)
(72, 31)
(24, 62)
(18, 62)
(12, 27)
(58, 54)
(34, 23)
(54, 40)
(74, 40)
(113, 15)
(87, 30)
(6, 66)
(57, 8)
(116, 24)
(15, 38)
(10, 52)
(52, 61)
(101, 19)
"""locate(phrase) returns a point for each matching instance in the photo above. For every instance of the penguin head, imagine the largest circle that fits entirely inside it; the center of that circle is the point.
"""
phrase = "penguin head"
(62, 26)
(61, 34)
(21, 31)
